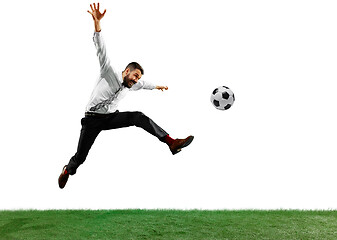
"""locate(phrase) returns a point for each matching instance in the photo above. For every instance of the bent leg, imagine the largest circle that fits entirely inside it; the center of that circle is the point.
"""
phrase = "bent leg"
(87, 138)
(138, 119)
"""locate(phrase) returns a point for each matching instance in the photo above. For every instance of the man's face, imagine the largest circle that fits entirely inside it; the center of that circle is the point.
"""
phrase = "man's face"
(132, 78)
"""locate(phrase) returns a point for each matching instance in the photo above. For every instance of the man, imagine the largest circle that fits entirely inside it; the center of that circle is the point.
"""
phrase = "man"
(101, 111)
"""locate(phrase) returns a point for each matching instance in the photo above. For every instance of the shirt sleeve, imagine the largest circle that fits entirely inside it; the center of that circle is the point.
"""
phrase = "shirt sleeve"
(104, 61)
(143, 85)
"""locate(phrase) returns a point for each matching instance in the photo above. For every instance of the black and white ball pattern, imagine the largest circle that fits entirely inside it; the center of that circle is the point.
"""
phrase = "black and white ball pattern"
(222, 98)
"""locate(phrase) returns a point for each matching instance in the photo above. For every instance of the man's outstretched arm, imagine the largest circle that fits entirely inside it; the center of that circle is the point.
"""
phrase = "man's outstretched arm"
(97, 16)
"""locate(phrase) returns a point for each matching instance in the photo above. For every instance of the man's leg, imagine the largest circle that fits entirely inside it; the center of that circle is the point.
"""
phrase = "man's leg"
(89, 132)
(138, 119)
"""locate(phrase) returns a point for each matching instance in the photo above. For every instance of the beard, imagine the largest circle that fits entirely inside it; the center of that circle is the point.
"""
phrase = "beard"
(127, 82)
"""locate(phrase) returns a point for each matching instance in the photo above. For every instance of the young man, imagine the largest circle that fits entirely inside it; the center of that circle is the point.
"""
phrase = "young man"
(101, 111)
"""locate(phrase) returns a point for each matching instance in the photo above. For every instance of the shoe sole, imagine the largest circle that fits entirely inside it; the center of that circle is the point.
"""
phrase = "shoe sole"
(63, 178)
(188, 142)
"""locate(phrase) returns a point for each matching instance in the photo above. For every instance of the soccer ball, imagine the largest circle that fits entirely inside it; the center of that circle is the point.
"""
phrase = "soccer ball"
(222, 98)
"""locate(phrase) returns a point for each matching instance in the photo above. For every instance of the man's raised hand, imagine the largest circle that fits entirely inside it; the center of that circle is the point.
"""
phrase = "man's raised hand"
(97, 16)
(95, 13)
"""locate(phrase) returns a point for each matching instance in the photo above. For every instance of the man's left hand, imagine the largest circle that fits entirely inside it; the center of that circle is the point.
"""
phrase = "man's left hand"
(162, 88)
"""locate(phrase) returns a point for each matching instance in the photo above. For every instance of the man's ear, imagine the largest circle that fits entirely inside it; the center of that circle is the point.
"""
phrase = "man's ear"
(127, 71)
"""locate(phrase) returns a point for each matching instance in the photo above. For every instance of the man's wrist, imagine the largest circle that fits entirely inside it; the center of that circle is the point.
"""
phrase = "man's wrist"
(97, 25)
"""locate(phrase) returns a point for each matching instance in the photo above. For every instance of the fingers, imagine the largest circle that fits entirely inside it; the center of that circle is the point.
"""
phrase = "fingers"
(162, 88)
(94, 6)
(95, 9)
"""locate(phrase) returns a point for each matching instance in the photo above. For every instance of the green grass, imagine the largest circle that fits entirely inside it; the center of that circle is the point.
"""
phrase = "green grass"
(168, 224)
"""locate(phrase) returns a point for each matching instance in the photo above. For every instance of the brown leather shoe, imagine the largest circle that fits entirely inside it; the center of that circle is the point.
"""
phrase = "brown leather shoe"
(63, 178)
(178, 144)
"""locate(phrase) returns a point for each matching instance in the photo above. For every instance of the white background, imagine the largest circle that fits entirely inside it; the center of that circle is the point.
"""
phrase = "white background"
(275, 148)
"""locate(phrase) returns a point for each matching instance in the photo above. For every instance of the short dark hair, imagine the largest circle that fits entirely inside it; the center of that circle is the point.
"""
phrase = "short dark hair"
(134, 65)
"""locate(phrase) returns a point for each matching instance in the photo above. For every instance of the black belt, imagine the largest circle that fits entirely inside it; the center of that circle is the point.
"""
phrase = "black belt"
(99, 115)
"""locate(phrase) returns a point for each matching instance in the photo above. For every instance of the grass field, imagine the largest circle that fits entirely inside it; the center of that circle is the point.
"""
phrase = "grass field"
(168, 224)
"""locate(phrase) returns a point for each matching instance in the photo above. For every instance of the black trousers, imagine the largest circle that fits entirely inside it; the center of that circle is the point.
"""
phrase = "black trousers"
(93, 124)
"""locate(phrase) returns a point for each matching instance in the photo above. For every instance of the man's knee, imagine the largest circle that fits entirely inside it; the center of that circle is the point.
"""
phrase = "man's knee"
(138, 118)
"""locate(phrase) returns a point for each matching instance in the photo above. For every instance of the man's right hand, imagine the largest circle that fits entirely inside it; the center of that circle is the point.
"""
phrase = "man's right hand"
(97, 16)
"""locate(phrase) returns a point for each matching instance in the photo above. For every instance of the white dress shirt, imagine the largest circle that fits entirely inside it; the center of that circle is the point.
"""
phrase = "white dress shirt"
(109, 89)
